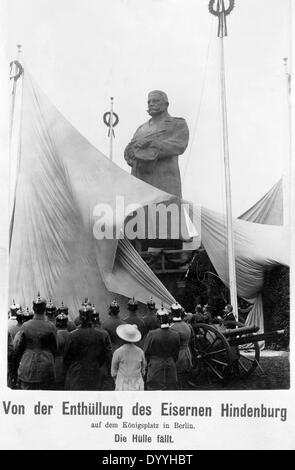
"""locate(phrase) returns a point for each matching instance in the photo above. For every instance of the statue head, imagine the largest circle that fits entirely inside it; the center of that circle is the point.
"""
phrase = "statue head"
(157, 102)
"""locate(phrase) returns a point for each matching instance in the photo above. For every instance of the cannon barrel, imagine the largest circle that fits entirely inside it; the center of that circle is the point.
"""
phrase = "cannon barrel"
(254, 338)
(240, 331)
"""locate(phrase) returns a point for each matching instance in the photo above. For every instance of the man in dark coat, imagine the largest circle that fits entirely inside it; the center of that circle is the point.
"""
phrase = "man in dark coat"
(184, 361)
(64, 310)
(36, 349)
(111, 324)
(107, 380)
(151, 320)
(85, 355)
(154, 149)
(133, 318)
(12, 322)
(162, 349)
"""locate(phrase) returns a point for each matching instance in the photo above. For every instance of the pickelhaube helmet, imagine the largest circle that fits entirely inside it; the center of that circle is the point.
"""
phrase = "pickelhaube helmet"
(86, 302)
(132, 305)
(39, 305)
(51, 309)
(20, 314)
(14, 308)
(162, 311)
(114, 307)
(163, 315)
(64, 309)
(27, 315)
(176, 310)
(61, 320)
(151, 304)
(95, 315)
(85, 314)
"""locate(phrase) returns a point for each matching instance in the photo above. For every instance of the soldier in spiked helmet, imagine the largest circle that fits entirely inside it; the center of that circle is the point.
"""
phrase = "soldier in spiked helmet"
(111, 324)
(86, 354)
(161, 349)
(36, 349)
(184, 361)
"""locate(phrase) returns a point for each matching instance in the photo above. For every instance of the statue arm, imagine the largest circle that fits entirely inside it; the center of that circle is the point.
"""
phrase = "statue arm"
(129, 154)
(176, 141)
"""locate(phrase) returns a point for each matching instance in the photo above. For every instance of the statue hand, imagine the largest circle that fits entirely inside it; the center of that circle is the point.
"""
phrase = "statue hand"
(129, 156)
(142, 143)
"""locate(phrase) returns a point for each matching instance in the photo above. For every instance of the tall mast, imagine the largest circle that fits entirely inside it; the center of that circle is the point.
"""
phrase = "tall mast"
(111, 119)
(217, 8)
(287, 183)
(16, 71)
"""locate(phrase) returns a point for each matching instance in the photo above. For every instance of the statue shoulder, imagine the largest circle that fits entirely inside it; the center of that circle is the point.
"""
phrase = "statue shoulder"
(141, 128)
(179, 122)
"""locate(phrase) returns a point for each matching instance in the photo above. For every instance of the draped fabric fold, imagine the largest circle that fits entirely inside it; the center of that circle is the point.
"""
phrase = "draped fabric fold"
(61, 180)
(258, 247)
(269, 209)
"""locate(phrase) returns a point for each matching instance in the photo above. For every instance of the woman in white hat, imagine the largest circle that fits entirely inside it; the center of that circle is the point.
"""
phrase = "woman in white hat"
(128, 363)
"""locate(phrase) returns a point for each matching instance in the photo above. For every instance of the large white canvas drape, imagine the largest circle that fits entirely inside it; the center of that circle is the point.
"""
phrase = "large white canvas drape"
(269, 209)
(61, 178)
(258, 247)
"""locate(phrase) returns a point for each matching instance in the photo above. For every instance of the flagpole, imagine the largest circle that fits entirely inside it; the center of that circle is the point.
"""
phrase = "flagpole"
(15, 78)
(111, 128)
(287, 184)
(111, 119)
(17, 71)
(221, 12)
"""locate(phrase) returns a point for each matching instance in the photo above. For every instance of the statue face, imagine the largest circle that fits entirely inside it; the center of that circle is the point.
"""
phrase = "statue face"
(156, 104)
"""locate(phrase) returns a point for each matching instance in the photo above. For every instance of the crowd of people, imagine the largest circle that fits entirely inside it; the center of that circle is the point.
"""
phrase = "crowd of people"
(49, 351)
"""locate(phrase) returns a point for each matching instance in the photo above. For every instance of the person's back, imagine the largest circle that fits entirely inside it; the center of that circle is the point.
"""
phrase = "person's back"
(111, 324)
(128, 363)
(184, 361)
(162, 349)
(12, 320)
(35, 350)
(184, 331)
(150, 320)
(62, 344)
(133, 319)
(85, 355)
(162, 343)
(107, 380)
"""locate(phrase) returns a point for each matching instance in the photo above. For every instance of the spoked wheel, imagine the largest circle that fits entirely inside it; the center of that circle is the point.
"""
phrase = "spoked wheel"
(213, 353)
(247, 358)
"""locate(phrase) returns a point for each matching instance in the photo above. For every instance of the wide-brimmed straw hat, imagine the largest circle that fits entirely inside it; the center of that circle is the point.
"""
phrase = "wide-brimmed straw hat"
(129, 333)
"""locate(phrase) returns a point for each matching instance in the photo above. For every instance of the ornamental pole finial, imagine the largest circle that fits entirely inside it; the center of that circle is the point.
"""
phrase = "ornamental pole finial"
(217, 8)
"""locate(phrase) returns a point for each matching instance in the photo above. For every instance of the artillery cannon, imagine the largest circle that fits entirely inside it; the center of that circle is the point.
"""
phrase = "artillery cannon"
(227, 349)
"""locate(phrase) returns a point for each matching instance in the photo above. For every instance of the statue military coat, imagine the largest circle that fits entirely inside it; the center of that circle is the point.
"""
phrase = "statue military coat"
(157, 162)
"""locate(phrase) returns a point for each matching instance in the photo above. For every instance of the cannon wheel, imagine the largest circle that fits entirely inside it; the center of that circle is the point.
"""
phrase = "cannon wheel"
(213, 353)
(248, 359)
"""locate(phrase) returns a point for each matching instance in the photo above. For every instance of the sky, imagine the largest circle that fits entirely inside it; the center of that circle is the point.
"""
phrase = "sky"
(82, 52)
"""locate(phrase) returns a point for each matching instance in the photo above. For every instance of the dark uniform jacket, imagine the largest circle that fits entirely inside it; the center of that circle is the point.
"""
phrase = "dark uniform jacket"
(151, 322)
(162, 349)
(157, 164)
(35, 349)
(110, 325)
(84, 358)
